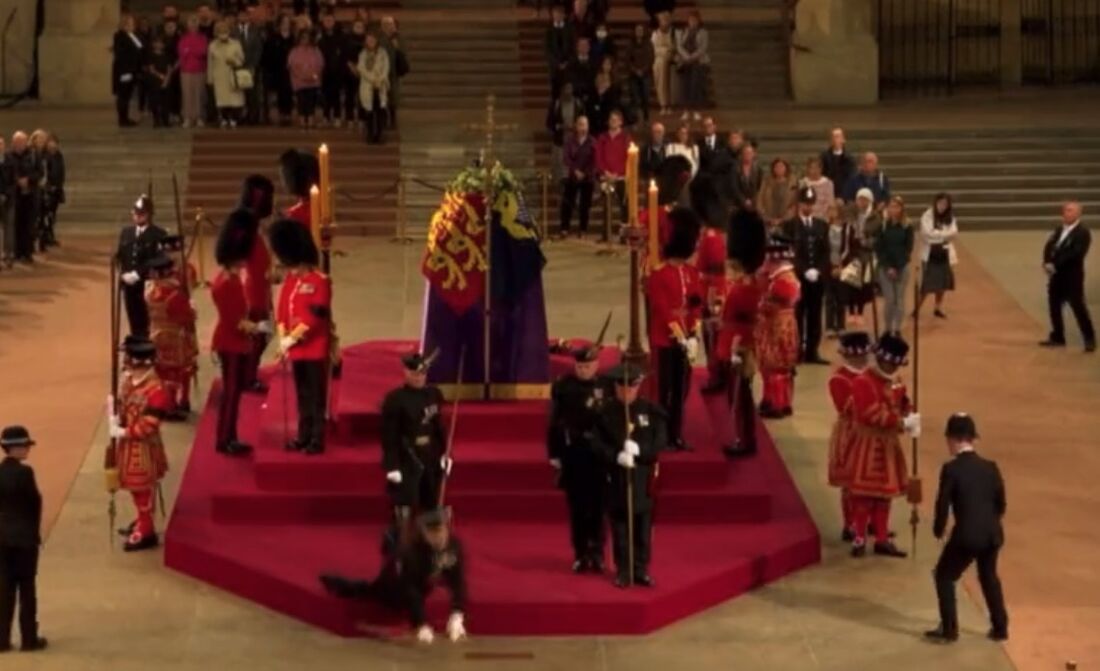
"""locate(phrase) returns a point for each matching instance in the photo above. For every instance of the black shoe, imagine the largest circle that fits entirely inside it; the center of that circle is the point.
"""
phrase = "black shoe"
(1052, 343)
(256, 387)
(738, 451)
(234, 449)
(847, 536)
(621, 581)
(313, 449)
(294, 446)
(643, 580)
(859, 550)
(997, 635)
(595, 565)
(127, 530)
(1090, 347)
(38, 643)
(941, 635)
(888, 549)
(579, 566)
(768, 412)
(680, 446)
(143, 543)
(939, 313)
(786, 412)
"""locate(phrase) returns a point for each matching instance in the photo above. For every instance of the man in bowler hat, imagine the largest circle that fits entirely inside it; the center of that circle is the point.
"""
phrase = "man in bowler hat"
(20, 522)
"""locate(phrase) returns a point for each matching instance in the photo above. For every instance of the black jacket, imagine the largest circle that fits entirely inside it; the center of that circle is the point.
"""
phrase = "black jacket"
(718, 163)
(134, 252)
(651, 434)
(407, 581)
(972, 487)
(743, 188)
(837, 167)
(560, 43)
(26, 165)
(811, 246)
(55, 174)
(651, 158)
(332, 51)
(20, 505)
(557, 125)
(413, 437)
(1068, 258)
(574, 408)
(128, 60)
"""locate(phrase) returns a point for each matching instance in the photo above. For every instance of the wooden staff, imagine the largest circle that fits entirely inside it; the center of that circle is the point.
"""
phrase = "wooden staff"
(110, 464)
(454, 422)
(915, 493)
(629, 481)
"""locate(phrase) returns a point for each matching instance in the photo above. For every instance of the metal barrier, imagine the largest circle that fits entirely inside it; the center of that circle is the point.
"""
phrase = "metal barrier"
(1060, 41)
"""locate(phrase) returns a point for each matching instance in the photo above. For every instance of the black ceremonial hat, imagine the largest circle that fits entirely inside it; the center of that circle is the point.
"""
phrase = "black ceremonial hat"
(672, 174)
(746, 239)
(139, 347)
(143, 204)
(418, 362)
(258, 195)
(160, 262)
(705, 202)
(292, 243)
(855, 343)
(685, 234)
(300, 170)
(236, 237)
(433, 519)
(892, 349)
(807, 195)
(627, 374)
(779, 247)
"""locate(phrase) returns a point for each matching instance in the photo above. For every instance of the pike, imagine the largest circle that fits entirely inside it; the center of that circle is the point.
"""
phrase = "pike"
(629, 478)
(185, 275)
(454, 417)
(110, 466)
(914, 493)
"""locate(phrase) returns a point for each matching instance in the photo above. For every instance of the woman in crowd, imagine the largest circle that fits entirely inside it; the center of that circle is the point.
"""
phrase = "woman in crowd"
(893, 249)
(694, 62)
(775, 202)
(822, 186)
(861, 277)
(374, 86)
(171, 36)
(639, 58)
(664, 52)
(747, 178)
(128, 55)
(560, 120)
(350, 57)
(938, 229)
(274, 60)
(305, 64)
(605, 100)
(843, 250)
(331, 41)
(53, 195)
(193, 46)
(222, 61)
(391, 42)
(683, 146)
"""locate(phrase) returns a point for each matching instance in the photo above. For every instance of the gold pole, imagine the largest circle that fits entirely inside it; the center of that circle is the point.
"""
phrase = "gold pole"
(545, 205)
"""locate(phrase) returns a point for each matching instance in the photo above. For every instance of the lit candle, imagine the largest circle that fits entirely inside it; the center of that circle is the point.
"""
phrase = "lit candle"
(632, 183)
(653, 253)
(326, 204)
(315, 214)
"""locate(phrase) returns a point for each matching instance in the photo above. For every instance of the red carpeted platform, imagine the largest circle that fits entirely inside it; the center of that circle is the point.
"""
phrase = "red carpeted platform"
(265, 527)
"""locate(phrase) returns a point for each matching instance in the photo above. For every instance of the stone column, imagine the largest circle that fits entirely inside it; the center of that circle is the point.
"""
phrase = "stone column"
(74, 52)
(834, 55)
(18, 56)
(1012, 52)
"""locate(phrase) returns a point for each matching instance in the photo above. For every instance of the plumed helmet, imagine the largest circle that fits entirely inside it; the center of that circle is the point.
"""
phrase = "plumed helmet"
(292, 243)
(706, 203)
(237, 236)
(685, 234)
(746, 239)
(672, 175)
(258, 195)
(300, 170)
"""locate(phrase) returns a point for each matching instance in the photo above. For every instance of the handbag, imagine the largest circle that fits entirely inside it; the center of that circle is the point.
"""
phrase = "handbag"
(852, 274)
(242, 79)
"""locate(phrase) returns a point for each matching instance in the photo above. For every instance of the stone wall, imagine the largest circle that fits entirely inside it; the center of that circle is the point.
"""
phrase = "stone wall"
(18, 55)
(74, 52)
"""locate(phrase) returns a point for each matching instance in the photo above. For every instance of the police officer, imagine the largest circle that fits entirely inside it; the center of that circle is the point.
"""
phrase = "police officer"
(630, 432)
(137, 245)
(575, 402)
(20, 521)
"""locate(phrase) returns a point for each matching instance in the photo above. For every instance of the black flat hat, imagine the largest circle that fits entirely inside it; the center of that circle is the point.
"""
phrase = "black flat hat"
(15, 436)
(138, 347)
(892, 349)
(626, 374)
(961, 426)
(586, 354)
(855, 343)
(160, 262)
(418, 362)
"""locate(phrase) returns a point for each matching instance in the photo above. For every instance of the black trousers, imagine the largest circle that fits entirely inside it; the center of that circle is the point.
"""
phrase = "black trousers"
(585, 488)
(836, 304)
(18, 569)
(234, 373)
(259, 344)
(25, 216)
(311, 387)
(643, 526)
(158, 105)
(307, 101)
(1062, 290)
(137, 312)
(332, 85)
(124, 91)
(673, 382)
(351, 99)
(571, 188)
(744, 412)
(954, 560)
(419, 491)
(808, 316)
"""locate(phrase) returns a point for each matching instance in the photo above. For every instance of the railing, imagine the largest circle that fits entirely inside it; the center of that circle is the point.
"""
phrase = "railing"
(1060, 41)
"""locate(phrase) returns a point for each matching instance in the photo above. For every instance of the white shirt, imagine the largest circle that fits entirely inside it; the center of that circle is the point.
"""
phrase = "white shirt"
(966, 447)
(711, 142)
(1066, 230)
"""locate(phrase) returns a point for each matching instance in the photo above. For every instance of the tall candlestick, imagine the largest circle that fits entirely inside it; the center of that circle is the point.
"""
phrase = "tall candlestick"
(632, 183)
(315, 222)
(326, 185)
(653, 253)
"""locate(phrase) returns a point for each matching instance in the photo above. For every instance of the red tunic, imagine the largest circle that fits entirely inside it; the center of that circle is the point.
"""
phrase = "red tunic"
(257, 280)
(738, 316)
(840, 452)
(172, 330)
(305, 308)
(229, 299)
(301, 213)
(878, 405)
(675, 295)
(710, 259)
(142, 402)
(775, 335)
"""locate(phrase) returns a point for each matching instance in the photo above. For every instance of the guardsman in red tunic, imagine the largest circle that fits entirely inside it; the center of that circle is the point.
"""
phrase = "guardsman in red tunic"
(672, 176)
(299, 171)
(141, 404)
(675, 295)
(256, 204)
(172, 330)
(710, 259)
(303, 316)
(854, 348)
(232, 342)
(775, 335)
(880, 415)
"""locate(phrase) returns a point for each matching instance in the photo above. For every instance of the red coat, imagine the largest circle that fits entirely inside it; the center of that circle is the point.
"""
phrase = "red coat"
(878, 405)
(776, 332)
(305, 310)
(840, 440)
(139, 455)
(229, 298)
(301, 213)
(710, 259)
(171, 328)
(675, 295)
(257, 280)
(611, 153)
(738, 316)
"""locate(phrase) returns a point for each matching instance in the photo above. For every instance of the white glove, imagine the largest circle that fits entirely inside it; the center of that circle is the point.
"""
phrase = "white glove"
(691, 347)
(114, 429)
(446, 463)
(424, 635)
(735, 359)
(456, 627)
(911, 424)
(126, 78)
(131, 277)
(632, 448)
(556, 463)
(264, 327)
(285, 343)
(813, 274)
(626, 459)
(394, 477)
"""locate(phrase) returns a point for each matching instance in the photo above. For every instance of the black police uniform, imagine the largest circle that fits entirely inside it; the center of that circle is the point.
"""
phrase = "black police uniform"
(134, 253)
(574, 408)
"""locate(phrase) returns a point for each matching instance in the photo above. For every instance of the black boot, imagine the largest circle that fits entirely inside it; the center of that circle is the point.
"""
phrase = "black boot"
(888, 549)
(144, 543)
(234, 448)
(942, 634)
(36, 643)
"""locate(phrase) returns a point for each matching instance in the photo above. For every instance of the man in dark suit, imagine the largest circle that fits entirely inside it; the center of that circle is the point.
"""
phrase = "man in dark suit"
(811, 263)
(20, 524)
(653, 153)
(972, 487)
(581, 73)
(559, 44)
(1064, 263)
(137, 244)
(251, 34)
(716, 161)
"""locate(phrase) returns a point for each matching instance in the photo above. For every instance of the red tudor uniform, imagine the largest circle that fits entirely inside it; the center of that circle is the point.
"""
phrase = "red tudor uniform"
(172, 330)
(776, 337)
(139, 452)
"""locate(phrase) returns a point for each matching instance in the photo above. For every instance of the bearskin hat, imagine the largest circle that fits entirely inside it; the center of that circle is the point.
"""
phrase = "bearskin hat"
(300, 170)
(685, 234)
(673, 174)
(705, 202)
(237, 236)
(746, 239)
(258, 195)
(292, 243)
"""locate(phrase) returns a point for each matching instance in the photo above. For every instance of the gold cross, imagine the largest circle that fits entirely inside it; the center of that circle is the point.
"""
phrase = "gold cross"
(490, 127)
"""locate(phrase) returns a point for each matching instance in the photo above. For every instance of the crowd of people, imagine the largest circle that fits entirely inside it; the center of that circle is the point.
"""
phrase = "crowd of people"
(252, 63)
(32, 188)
